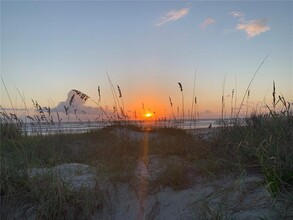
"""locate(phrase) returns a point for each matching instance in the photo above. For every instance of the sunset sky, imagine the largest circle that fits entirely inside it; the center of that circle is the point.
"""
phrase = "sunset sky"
(147, 47)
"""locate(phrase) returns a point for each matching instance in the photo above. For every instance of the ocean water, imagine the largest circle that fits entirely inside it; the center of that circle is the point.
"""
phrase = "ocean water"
(82, 127)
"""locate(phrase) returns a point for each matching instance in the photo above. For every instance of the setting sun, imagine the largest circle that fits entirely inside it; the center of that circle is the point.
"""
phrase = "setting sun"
(148, 115)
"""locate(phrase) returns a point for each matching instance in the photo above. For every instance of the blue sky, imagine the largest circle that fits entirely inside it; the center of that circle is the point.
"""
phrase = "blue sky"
(49, 48)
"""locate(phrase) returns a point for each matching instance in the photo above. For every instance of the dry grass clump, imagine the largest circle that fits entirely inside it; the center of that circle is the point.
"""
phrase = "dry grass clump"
(46, 197)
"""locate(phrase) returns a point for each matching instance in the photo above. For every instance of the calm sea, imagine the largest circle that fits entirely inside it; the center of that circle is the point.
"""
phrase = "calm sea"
(78, 127)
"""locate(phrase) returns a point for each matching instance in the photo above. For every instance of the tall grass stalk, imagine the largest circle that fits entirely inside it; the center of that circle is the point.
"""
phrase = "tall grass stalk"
(195, 110)
(235, 102)
(193, 97)
(115, 97)
(121, 108)
(232, 97)
(99, 94)
(23, 100)
(247, 103)
(85, 97)
(7, 93)
(248, 87)
(143, 109)
(171, 104)
(223, 97)
(274, 96)
(182, 102)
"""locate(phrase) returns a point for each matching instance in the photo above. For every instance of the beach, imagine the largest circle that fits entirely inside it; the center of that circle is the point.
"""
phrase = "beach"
(158, 185)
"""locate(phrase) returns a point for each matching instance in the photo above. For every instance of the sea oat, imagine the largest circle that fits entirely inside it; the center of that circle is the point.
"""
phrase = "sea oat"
(170, 102)
(274, 95)
(81, 95)
(71, 99)
(119, 90)
(180, 86)
(99, 94)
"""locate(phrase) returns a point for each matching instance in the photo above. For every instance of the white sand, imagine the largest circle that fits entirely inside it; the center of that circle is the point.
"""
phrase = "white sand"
(229, 197)
(225, 197)
(74, 174)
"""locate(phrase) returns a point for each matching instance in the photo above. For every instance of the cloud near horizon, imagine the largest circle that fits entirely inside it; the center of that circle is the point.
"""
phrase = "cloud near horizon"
(207, 22)
(74, 102)
(207, 111)
(173, 15)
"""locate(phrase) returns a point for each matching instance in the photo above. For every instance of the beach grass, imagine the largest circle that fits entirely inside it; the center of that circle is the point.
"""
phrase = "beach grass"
(261, 143)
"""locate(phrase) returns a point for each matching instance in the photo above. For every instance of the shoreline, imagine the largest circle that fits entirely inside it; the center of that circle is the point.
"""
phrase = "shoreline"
(78, 127)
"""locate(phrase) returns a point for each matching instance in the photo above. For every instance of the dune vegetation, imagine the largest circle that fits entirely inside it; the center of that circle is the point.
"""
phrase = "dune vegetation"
(260, 144)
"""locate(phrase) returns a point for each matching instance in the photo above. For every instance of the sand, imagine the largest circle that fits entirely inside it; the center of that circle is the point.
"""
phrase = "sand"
(228, 197)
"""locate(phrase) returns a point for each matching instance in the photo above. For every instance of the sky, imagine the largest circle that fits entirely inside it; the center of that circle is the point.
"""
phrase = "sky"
(49, 48)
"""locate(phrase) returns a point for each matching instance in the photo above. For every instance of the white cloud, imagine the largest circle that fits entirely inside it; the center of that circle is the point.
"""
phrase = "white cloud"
(254, 27)
(236, 14)
(74, 103)
(173, 15)
(207, 22)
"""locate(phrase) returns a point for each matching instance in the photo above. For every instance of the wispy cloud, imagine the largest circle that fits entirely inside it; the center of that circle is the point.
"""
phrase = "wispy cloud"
(172, 15)
(254, 27)
(207, 22)
(236, 14)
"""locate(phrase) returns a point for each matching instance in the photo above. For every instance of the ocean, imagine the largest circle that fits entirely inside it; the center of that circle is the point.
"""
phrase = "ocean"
(82, 127)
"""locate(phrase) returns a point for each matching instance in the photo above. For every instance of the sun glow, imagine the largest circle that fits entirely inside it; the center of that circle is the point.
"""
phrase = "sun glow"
(148, 115)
